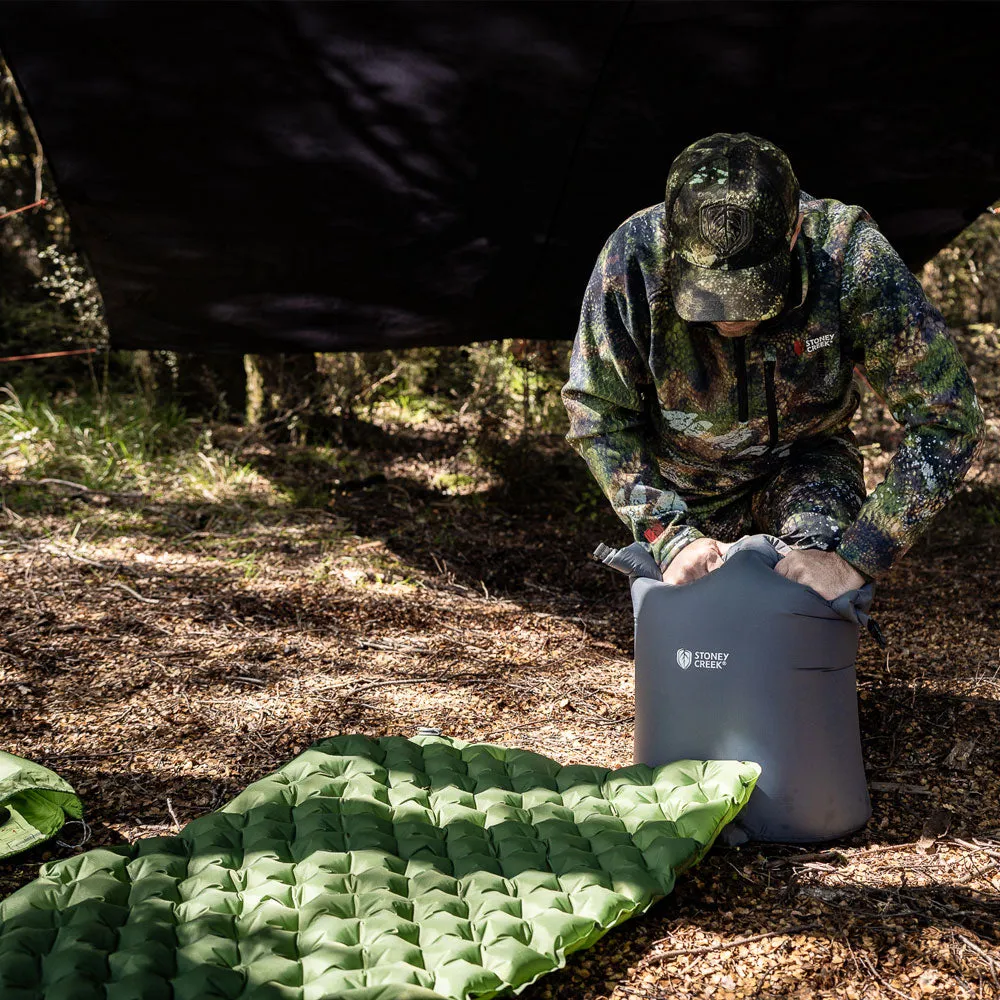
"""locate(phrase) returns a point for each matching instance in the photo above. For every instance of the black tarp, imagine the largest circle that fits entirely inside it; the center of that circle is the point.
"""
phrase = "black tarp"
(299, 176)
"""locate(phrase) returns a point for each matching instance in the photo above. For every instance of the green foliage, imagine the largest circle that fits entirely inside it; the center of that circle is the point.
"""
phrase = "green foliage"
(117, 444)
(50, 300)
(72, 285)
(453, 483)
(72, 438)
(963, 280)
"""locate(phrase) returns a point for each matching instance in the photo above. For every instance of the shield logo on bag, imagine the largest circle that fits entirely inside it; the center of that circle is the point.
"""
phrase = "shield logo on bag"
(684, 658)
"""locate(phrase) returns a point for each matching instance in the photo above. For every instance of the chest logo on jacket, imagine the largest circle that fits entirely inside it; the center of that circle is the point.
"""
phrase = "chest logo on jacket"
(814, 343)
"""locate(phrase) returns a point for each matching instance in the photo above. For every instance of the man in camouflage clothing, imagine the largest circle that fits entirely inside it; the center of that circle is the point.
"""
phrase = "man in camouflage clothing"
(712, 379)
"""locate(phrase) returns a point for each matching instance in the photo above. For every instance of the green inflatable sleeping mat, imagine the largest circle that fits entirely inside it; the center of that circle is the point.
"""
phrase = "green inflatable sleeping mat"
(370, 869)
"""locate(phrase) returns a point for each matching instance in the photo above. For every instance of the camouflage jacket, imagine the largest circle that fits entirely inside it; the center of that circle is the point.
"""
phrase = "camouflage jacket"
(666, 412)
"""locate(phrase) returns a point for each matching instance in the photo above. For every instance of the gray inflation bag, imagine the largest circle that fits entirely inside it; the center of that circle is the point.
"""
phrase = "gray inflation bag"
(743, 664)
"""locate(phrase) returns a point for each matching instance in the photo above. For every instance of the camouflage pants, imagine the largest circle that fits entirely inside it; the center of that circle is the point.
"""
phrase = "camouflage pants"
(808, 502)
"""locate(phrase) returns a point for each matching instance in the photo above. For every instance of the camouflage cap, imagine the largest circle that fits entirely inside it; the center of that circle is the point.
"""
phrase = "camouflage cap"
(731, 209)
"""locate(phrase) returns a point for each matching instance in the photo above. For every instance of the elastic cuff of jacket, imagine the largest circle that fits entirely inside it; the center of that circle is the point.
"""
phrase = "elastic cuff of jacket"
(667, 546)
(870, 560)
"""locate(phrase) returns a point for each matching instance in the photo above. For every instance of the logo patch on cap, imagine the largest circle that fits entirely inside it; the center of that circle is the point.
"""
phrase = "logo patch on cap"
(727, 228)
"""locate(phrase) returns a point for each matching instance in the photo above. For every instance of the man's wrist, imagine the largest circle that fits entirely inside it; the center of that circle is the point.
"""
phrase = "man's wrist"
(669, 543)
(857, 563)
(859, 578)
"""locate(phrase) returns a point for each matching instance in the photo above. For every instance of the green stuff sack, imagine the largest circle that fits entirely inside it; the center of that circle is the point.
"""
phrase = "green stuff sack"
(387, 869)
(34, 804)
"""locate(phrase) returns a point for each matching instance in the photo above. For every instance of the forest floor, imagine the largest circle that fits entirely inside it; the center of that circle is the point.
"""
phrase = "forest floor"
(162, 653)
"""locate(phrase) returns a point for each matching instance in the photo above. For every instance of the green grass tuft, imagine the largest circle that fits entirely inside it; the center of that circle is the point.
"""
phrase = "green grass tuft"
(120, 444)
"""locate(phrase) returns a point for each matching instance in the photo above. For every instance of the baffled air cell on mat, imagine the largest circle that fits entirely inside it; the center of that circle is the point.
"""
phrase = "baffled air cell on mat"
(744, 664)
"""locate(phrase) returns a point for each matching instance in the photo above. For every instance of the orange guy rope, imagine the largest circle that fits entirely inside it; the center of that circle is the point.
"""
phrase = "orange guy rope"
(34, 204)
(51, 354)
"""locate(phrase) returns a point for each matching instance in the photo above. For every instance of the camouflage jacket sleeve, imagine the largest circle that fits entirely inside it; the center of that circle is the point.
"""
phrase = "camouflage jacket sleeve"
(608, 421)
(911, 361)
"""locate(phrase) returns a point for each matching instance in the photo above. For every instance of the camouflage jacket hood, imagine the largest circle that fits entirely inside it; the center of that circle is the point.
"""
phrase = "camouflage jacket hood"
(665, 411)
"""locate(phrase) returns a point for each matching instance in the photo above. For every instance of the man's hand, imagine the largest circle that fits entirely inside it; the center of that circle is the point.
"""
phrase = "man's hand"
(827, 574)
(695, 560)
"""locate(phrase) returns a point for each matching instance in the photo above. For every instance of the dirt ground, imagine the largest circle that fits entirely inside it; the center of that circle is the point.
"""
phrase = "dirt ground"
(162, 655)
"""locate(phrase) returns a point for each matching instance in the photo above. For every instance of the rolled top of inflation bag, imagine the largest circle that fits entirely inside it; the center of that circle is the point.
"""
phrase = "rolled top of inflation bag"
(744, 664)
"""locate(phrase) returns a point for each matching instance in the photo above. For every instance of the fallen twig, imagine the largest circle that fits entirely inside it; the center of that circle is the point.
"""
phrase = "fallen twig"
(623, 720)
(829, 857)
(134, 751)
(128, 495)
(53, 550)
(896, 786)
(871, 970)
(173, 815)
(705, 949)
(137, 596)
(521, 725)
(389, 647)
(984, 955)
(631, 991)
(990, 850)
(444, 678)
